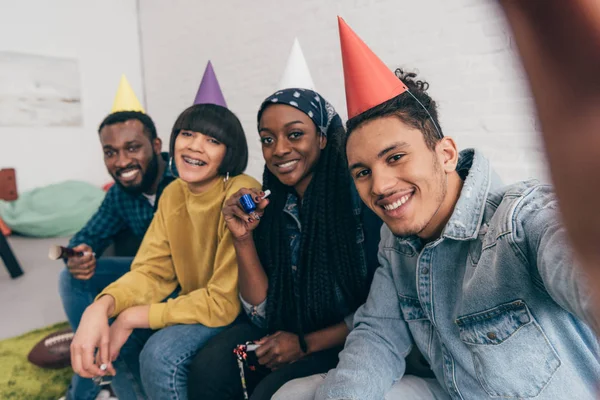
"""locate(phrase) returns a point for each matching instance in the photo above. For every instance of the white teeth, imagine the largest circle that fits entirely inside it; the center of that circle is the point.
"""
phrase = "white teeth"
(397, 203)
(129, 174)
(193, 162)
(288, 164)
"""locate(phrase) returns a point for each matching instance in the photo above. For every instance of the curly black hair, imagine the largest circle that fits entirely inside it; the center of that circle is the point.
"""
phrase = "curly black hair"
(415, 108)
(330, 258)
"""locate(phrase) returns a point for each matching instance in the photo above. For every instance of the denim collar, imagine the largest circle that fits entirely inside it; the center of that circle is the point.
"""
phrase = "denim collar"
(291, 208)
(465, 222)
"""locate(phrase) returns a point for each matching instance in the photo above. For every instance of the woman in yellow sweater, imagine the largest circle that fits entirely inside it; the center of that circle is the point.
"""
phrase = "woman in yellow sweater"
(187, 257)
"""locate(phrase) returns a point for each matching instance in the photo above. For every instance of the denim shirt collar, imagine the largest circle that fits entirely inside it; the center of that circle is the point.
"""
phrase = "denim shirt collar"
(291, 204)
(291, 208)
(465, 222)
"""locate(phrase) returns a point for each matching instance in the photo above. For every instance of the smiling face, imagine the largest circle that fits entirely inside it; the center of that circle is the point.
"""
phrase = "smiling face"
(198, 157)
(400, 178)
(291, 145)
(131, 158)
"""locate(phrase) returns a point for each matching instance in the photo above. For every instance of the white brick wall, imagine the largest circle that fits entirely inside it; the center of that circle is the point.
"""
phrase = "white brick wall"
(460, 46)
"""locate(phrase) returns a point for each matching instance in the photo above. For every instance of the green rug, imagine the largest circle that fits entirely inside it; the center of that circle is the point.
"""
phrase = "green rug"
(19, 379)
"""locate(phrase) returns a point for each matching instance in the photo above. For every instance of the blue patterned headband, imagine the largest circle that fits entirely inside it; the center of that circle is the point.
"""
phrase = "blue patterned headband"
(310, 103)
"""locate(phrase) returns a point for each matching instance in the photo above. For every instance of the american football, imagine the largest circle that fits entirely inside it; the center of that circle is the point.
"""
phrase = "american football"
(53, 351)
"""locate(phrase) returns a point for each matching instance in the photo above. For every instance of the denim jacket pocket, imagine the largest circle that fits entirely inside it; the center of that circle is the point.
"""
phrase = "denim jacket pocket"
(511, 354)
(417, 320)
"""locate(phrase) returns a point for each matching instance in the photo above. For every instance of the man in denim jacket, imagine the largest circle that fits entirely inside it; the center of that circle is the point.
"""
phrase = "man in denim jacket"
(479, 278)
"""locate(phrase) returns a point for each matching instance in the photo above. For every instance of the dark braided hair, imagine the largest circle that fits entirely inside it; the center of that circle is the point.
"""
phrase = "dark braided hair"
(330, 257)
(423, 117)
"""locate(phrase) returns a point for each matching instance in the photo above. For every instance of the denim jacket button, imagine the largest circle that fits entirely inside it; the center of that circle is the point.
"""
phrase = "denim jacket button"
(524, 319)
(424, 270)
(491, 335)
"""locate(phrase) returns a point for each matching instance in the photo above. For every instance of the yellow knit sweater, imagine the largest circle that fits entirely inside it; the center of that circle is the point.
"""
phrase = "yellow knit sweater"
(187, 245)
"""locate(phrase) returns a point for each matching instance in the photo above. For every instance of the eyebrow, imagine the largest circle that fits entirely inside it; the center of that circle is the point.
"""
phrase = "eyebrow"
(356, 165)
(286, 125)
(293, 122)
(391, 147)
(382, 153)
(129, 143)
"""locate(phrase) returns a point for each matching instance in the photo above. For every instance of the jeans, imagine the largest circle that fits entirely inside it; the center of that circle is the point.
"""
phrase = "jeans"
(76, 295)
(410, 387)
(155, 364)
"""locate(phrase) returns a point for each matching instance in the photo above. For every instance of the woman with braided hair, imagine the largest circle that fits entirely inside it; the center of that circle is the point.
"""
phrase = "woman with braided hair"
(306, 256)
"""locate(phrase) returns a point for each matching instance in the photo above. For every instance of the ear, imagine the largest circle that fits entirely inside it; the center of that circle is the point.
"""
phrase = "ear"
(322, 141)
(447, 154)
(157, 145)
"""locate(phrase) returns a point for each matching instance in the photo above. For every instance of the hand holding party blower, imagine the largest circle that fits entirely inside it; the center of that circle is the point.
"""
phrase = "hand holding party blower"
(249, 205)
(58, 252)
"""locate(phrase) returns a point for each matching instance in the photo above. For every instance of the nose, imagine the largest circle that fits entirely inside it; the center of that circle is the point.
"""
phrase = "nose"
(197, 144)
(282, 147)
(383, 181)
(122, 160)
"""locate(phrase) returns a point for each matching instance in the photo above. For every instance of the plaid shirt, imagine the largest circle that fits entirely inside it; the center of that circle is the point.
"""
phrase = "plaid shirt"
(120, 211)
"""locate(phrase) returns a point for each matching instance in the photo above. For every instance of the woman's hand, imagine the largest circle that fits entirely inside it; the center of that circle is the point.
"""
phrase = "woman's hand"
(240, 223)
(119, 333)
(279, 349)
(93, 334)
(130, 319)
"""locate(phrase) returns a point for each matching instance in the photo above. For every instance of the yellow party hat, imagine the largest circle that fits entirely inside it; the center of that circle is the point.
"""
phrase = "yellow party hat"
(126, 100)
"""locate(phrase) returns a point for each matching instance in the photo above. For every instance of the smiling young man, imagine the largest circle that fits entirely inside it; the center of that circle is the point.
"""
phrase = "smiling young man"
(479, 277)
(132, 155)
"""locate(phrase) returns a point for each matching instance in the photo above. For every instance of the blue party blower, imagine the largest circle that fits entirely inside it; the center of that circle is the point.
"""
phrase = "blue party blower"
(248, 203)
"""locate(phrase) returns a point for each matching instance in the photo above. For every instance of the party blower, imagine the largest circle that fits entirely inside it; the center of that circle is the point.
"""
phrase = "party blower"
(249, 205)
(60, 252)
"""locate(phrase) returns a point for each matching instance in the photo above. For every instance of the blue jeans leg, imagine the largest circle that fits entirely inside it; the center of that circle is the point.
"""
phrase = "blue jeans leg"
(164, 362)
(76, 295)
(127, 384)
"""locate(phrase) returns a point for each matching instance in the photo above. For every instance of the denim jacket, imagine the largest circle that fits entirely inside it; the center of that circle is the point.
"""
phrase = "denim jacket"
(495, 305)
(367, 237)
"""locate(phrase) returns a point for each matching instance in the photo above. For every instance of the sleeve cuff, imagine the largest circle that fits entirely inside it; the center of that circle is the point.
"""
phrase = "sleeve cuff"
(120, 305)
(257, 314)
(155, 318)
(349, 320)
(254, 311)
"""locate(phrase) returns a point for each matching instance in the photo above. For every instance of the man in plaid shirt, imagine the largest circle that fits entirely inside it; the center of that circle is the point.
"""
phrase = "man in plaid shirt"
(132, 154)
